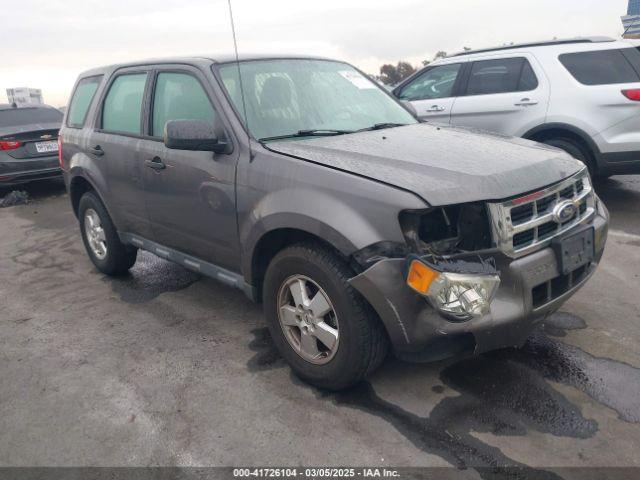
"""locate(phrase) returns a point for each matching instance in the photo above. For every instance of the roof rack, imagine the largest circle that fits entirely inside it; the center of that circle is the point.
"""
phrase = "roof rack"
(538, 44)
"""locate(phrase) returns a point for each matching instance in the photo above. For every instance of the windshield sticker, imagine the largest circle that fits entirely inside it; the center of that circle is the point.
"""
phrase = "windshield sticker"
(358, 80)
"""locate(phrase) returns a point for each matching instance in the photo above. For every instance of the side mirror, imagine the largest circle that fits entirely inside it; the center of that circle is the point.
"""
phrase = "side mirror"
(197, 135)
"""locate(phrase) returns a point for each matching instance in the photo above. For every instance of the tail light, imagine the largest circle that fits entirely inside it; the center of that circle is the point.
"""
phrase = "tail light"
(633, 94)
(9, 144)
(60, 157)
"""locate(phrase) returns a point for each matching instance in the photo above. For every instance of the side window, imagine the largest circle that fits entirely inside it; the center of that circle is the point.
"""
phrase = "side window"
(122, 107)
(436, 82)
(603, 67)
(528, 79)
(504, 75)
(81, 101)
(179, 96)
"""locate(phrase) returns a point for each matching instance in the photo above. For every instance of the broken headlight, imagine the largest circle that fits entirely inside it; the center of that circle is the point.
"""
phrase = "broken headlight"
(447, 230)
(460, 296)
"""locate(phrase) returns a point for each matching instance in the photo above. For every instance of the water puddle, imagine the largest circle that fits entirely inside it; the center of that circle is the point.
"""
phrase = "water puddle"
(150, 277)
(503, 393)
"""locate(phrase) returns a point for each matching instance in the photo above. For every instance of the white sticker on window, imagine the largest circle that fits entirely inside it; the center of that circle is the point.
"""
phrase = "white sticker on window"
(357, 79)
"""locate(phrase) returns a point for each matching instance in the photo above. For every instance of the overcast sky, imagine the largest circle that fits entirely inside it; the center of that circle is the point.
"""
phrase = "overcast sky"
(46, 43)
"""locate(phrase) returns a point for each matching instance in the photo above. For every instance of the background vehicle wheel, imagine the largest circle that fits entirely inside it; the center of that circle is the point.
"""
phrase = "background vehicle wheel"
(321, 326)
(101, 240)
(576, 150)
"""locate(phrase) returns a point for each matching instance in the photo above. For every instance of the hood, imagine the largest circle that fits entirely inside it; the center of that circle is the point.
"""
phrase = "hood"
(443, 165)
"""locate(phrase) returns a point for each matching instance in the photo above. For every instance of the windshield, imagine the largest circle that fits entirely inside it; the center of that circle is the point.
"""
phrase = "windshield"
(287, 97)
(17, 117)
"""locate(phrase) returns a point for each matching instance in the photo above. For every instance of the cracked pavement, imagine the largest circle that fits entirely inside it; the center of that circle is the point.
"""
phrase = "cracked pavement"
(165, 367)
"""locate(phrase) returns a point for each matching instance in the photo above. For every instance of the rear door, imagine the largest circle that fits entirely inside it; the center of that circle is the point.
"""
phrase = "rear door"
(190, 194)
(432, 93)
(115, 146)
(507, 95)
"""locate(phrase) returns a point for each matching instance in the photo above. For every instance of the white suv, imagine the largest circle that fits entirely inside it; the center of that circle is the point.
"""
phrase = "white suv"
(581, 95)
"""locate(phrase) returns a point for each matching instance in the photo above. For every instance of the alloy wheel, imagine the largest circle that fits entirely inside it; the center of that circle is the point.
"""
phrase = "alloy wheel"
(308, 319)
(95, 234)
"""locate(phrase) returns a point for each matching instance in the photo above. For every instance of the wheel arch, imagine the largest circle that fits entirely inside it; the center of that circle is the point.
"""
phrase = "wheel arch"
(272, 240)
(78, 186)
(80, 182)
(567, 131)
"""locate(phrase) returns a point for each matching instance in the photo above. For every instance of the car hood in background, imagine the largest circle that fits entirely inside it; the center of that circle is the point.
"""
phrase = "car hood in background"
(443, 165)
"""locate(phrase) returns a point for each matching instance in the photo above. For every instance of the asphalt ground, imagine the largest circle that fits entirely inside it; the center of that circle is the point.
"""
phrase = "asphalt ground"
(165, 367)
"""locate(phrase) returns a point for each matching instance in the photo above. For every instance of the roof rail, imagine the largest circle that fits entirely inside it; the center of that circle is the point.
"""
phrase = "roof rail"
(538, 44)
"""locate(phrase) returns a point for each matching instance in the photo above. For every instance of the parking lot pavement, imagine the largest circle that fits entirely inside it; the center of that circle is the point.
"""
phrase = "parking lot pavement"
(165, 367)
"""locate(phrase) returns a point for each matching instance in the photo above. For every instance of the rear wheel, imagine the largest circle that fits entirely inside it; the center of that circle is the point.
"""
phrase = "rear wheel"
(576, 150)
(101, 240)
(319, 323)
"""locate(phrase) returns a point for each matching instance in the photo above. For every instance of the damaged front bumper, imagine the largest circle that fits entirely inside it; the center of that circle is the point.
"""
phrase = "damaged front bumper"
(531, 288)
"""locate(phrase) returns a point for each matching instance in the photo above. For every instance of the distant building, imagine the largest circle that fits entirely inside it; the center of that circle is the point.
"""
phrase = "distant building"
(631, 21)
(21, 96)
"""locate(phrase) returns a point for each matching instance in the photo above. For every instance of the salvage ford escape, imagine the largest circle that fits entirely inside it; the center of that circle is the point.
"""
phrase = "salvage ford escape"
(301, 182)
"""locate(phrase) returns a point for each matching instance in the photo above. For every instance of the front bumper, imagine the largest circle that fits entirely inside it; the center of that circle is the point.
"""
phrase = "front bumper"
(419, 333)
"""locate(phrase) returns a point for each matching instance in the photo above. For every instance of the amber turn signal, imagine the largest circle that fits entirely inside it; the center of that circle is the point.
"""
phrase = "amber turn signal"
(420, 277)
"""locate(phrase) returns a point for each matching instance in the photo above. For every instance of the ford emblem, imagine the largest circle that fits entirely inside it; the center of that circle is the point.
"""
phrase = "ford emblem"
(564, 211)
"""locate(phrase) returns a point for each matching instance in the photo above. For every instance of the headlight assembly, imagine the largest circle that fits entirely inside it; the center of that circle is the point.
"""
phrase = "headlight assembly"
(459, 296)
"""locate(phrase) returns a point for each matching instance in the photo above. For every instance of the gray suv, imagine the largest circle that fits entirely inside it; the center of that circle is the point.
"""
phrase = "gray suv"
(306, 185)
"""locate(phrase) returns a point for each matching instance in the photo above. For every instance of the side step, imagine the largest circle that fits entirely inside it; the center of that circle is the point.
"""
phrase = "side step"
(208, 269)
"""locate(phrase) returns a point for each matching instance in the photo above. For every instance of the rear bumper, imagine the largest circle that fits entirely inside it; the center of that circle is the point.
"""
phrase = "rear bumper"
(619, 163)
(419, 333)
(22, 171)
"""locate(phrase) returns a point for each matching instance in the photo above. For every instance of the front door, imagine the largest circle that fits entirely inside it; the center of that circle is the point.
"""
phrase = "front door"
(432, 93)
(190, 195)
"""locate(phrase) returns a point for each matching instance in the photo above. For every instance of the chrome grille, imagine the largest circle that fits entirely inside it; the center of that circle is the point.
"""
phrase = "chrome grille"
(523, 225)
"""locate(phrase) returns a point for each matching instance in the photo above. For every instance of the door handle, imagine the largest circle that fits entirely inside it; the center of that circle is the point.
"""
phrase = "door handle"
(156, 163)
(526, 102)
(97, 151)
(436, 108)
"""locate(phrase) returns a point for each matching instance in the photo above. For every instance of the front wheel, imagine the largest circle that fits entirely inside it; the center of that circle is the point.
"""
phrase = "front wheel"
(319, 323)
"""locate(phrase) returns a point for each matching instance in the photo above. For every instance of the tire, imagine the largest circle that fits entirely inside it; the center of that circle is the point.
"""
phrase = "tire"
(118, 258)
(362, 343)
(576, 150)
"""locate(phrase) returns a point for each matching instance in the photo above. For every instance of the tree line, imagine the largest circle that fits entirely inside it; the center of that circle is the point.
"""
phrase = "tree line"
(393, 74)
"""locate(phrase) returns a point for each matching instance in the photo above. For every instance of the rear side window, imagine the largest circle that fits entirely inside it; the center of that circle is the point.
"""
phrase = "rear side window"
(122, 109)
(179, 96)
(504, 75)
(603, 67)
(81, 101)
(18, 117)
(528, 79)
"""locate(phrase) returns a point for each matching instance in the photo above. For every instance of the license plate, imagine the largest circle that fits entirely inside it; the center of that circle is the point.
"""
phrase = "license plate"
(576, 251)
(47, 147)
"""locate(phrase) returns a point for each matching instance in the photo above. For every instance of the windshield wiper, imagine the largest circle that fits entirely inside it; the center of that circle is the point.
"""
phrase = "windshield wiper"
(382, 126)
(320, 132)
